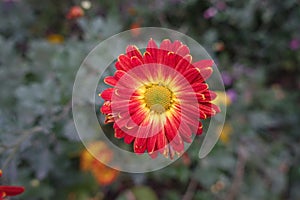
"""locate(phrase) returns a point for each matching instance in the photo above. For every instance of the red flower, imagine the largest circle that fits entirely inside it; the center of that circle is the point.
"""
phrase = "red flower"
(9, 190)
(91, 162)
(158, 98)
(75, 12)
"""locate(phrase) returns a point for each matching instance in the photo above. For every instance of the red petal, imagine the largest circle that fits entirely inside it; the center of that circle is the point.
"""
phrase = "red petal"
(140, 145)
(185, 132)
(135, 105)
(107, 94)
(118, 74)
(151, 141)
(106, 108)
(202, 115)
(170, 60)
(110, 80)
(200, 129)
(138, 117)
(183, 51)
(11, 190)
(128, 139)
(152, 48)
(205, 73)
(123, 63)
(209, 95)
(170, 130)
(176, 45)
(161, 56)
(184, 64)
(161, 143)
(119, 133)
(193, 75)
(191, 97)
(135, 61)
(199, 87)
(209, 109)
(204, 64)
(122, 119)
(166, 45)
(177, 144)
(132, 50)
(190, 118)
(154, 154)
(148, 57)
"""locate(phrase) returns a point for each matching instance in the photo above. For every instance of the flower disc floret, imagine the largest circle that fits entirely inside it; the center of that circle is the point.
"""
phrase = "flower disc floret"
(158, 98)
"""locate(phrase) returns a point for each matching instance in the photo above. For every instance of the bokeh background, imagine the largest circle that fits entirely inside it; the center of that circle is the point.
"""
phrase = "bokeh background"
(256, 45)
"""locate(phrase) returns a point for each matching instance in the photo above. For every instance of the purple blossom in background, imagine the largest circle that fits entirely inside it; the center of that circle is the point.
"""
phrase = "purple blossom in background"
(227, 78)
(210, 12)
(231, 94)
(294, 44)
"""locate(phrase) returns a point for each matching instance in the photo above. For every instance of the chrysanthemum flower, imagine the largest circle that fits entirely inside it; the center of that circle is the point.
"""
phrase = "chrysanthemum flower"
(6, 191)
(158, 97)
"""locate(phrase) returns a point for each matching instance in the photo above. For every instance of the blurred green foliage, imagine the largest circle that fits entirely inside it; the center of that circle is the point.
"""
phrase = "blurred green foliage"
(257, 43)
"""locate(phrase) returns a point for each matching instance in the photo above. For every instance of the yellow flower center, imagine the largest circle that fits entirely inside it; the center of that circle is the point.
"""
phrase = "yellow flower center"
(158, 98)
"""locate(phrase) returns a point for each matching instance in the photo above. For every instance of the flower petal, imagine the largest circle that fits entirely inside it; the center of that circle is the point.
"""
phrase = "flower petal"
(119, 133)
(139, 116)
(205, 72)
(170, 129)
(200, 129)
(118, 74)
(152, 48)
(209, 95)
(183, 51)
(110, 80)
(11, 190)
(106, 108)
(177, 144)
(184, 64)
(154, 154)
(123, 63)
(128, 139)
(185, 132)
(132, 50)
(193, 75)
(140, 145)
(166, 45)
(148, 57)
(161, 143)
(203, 64)
(151, 143)
(176, 45)
(135, 61)
(107, 94)
(209, 109)
(170, 59)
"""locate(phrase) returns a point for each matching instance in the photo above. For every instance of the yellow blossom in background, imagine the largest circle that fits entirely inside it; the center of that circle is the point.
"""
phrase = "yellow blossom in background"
(222, 99)
(90, 162)
(55, 38)
(225, 134)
